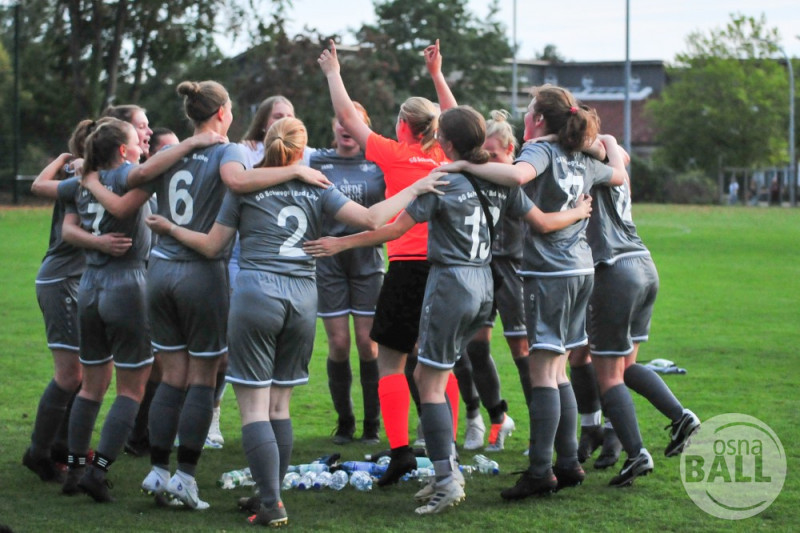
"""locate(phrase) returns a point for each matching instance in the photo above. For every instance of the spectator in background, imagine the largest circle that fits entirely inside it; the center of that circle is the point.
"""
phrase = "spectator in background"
(733, 192)
(775, 192)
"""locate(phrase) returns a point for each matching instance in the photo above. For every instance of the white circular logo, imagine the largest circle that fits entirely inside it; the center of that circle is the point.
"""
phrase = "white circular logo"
(734, 466)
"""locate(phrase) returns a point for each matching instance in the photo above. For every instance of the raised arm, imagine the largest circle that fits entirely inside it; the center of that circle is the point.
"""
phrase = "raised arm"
(46, 183)
(548, 222)
(500, 173)
(115, 244)
(209, 244)
(118, 206)
(245, 181)
(327, 246)
(346, 113)
(433, 62)
(160, 162)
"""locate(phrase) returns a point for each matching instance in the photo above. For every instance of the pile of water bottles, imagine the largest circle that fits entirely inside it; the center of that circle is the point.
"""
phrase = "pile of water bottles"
(326, 471)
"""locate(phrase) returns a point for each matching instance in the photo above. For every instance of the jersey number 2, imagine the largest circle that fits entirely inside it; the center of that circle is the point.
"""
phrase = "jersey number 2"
(288, 248)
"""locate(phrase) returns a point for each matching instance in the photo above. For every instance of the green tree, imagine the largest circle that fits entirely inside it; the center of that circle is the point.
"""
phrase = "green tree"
(726, 102)
(474, 50)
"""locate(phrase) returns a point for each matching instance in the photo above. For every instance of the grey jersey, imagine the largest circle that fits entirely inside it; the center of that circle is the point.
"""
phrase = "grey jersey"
(95, 219)
(611, 232)
(62, 260)
(560, 180)
(190, 195)
(358, 179)
(457, 229)
(275, 222)
(508, 238)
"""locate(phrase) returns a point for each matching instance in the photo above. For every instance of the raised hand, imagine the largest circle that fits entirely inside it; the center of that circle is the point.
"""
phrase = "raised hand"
(328, 60)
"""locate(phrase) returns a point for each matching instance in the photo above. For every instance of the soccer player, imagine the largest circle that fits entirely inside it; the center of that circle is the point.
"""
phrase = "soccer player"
(349, 284)
(273, 306)
(114, 330)
(459, 291)
(558, 270)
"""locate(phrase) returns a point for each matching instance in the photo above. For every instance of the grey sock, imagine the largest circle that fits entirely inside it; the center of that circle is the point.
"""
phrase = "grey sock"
(165, 411)
(650, 385)
(198, 409)
(81, 423)
(484, 372)
(523, 369)
(545, 412)
(49, 415)
(566, 441)
(437, 425)
(466, 386)
(620, 410)
(584, 384)
(117, 427)
(261, 450)
(284, 436)
(369, 390)
(340, 380)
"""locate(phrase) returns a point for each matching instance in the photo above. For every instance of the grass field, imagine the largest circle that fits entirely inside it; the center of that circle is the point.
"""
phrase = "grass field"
(727, 311)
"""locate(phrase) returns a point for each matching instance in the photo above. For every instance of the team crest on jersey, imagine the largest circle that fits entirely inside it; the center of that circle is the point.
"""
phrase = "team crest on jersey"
(355, 191)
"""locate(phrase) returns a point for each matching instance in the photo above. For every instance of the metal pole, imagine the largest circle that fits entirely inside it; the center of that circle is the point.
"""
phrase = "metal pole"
(627, 116)
(792, 162)
(514, 63)
(16, 121)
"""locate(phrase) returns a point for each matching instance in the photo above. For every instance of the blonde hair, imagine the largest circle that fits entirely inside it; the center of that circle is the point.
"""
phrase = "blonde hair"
(284, 144)
(202, 99)
(422, 117)
(574, 124)
(501, 129)
(258, 126)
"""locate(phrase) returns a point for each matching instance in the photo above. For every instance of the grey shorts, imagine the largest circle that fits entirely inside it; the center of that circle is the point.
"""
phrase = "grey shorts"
(457, 301)
(508, 299)
(346, 287)
(58, 301)
(621, 305)
(555, 310)
(113, 318)
(271, 329)
(188, 304)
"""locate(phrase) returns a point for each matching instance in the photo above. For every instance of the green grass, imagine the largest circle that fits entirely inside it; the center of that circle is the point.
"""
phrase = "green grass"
(727, 312)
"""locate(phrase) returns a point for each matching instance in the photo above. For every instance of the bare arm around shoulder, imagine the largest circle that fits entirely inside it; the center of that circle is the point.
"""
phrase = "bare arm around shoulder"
(433, 62)
(327, 246)
(243, 181)
(160, 162)
(209, 244)
(120, 207)
(46, 183)
(499, 173)
(115, 244)
(379, 214)
(543, 222)
(346, 112)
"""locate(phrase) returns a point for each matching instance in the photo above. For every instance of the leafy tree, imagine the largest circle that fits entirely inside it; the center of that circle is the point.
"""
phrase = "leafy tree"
(474, 50)
(551, 53)
(726, 101)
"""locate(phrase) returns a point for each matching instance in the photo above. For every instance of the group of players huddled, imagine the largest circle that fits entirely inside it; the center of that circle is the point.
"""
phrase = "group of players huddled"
(207, 262)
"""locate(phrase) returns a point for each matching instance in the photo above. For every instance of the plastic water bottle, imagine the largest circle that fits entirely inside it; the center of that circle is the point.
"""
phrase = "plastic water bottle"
(364, 466)
(486, 465)
(290, 481)
(235, 478)
(424, 462)
(329, 460)
(467, 470)
(361, 480)
(307, 481)
(312, 467)
(384, 460)
(323, 480)
(339, 480)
